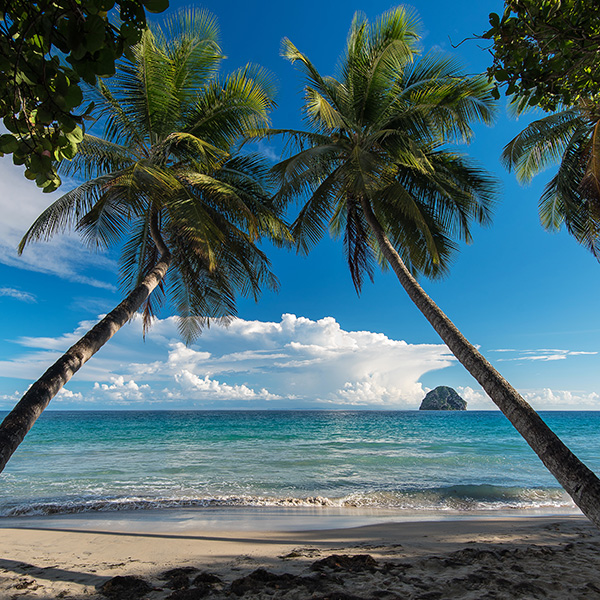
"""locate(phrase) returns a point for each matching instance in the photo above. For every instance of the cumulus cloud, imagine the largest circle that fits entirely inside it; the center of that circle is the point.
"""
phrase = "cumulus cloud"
(542, 399)
(211, 388)
(64, 395)
(316, 361)
(548, 399)
(121, 391)
(17, 294)
(476, 399)
(20, 204)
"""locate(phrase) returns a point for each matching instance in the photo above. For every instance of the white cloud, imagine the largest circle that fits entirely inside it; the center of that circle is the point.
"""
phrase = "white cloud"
(211, 389)
(476, 399)
(17, 294)
(548, 399)
(20, 204)
(543, 399)
(121, 391)
(543, 354)
(64, 395)
(268, 151)
(67, 395)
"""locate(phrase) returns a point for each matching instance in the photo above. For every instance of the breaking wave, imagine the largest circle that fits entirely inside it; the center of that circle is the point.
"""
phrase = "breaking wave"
(452, 498)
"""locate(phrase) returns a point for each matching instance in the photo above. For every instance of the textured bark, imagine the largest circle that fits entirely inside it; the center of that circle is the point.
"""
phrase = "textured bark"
(21, 419)
(578, 481)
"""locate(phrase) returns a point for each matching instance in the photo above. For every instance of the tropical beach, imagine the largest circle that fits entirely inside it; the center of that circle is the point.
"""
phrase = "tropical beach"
(201, 392)
(292, 504)
(492, 558)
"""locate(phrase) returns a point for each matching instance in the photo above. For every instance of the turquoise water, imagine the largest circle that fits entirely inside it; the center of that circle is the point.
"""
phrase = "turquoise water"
(74, 462)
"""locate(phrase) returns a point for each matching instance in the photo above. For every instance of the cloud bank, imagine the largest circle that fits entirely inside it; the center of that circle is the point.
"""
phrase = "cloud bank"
(294, 363)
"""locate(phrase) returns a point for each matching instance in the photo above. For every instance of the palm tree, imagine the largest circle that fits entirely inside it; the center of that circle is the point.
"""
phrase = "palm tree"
(377, 167)
(163, 181)
(572, 197)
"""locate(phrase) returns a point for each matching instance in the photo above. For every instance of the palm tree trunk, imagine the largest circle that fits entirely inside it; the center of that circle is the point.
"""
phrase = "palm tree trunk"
(579, 481)
(21, 419)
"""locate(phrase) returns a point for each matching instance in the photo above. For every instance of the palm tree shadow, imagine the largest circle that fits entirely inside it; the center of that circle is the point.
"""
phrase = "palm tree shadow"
(255, 539)
(52, 573)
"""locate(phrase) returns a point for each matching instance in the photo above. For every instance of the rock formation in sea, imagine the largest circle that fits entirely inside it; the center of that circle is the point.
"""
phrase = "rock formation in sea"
(443, 398)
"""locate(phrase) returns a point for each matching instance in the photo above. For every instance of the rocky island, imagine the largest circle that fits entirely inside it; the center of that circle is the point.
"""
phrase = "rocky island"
(443, 398)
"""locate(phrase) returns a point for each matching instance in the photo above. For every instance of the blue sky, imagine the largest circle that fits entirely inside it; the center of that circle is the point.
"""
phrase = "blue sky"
(527, 298)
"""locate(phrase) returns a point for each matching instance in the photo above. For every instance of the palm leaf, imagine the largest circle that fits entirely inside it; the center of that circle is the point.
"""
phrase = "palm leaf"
(540, 144)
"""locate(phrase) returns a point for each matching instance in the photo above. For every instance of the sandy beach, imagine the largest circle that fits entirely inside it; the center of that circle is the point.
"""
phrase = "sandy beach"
(525, 557)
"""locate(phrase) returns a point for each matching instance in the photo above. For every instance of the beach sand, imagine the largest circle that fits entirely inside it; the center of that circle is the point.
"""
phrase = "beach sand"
(500, 558)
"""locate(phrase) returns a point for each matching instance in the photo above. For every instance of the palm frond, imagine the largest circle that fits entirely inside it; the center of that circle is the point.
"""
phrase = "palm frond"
(590, 182)
(229, 108)
(313, 219)
(66, 212)
(376, 56)
(190, 40)
(96, 157)
(119, 127)
(541, 143)
(357, 246)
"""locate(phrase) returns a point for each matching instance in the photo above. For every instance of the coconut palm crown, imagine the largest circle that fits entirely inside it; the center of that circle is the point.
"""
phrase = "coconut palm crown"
(378, 134)
(165, 166)
(571, 198)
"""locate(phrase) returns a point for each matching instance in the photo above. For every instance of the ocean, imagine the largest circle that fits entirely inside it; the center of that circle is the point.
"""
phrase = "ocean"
(399, 463)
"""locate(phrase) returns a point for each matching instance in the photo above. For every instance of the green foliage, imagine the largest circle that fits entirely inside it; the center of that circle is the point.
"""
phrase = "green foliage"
(377, 134)
(47, 49)
(545, 52)
(167, 157)
(546, 55)
(572, 197)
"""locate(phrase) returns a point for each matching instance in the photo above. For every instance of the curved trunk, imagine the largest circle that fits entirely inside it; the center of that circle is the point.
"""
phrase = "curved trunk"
(21, 419)
(579, 482)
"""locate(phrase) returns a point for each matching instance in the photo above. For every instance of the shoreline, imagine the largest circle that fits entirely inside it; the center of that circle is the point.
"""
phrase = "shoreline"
(518, 557)
(264, 518)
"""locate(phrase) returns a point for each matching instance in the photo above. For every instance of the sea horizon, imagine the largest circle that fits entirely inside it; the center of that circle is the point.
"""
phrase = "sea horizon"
(4, 412)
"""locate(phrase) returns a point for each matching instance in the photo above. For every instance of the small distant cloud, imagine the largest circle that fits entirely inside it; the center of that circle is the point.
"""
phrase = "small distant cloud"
(269, 152)
(122, 391)
(549, 399)
(92, 305)
(17, 294)
(543, 354)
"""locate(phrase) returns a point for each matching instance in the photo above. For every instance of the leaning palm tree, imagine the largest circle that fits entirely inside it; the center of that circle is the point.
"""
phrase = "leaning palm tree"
(164, 182)
(572, 197)
(378, 167)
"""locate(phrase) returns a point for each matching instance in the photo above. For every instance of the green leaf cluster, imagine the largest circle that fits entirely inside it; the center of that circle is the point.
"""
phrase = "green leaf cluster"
(379, 140)
(47, 49)
(545, 52)
(571, 198)
(165, 172)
